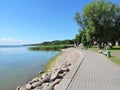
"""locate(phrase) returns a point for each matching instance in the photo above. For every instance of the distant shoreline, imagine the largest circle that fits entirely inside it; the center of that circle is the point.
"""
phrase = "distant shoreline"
(50, 47)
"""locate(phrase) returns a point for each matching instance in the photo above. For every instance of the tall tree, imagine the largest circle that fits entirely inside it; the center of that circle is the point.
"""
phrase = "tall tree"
(100, 19)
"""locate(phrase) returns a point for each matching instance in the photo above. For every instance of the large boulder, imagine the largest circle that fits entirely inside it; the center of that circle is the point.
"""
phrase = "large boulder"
(65, 69)
(28, 86)
(34, 80)
(45, 84)
(55, 82)
(48, 88)
(23, 88)
(46, 78)
(54, 75)
(36, 84)
(18, 87)
(38, 88)
(63, 74)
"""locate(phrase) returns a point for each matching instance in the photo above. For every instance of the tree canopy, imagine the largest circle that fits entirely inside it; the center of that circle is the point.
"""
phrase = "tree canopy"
(100, 20)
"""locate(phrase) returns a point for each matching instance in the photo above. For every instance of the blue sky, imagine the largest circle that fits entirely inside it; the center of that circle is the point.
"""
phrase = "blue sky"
(35, 21)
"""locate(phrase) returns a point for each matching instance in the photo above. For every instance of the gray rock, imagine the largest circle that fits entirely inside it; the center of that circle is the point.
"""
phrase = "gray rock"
(23, 88)
(40, 79)
(64, 65)
(54, 75)
(18, 87)
(69, 64)
(36, 84)
(65, 69)
(48, 88)
(63, 74)
(56, 87)
(28, 86)
(34, 80)
(55, 82)
(60, 71)
(45, 84)
(46, 78)
(38, 88)
(44, 75)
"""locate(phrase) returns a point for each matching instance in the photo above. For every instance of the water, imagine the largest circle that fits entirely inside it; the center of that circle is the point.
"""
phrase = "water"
(19, 65)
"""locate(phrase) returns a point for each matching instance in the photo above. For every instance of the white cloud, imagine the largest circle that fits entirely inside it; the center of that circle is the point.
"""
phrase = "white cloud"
(11, 41)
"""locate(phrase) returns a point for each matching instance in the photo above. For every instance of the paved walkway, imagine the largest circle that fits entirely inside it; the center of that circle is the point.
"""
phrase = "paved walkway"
(95, 72)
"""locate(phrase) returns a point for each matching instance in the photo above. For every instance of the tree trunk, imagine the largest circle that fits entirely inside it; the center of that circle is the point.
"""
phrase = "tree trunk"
(99, 45)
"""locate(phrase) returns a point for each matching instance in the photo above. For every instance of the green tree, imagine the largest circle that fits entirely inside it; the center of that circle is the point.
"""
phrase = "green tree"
(77, 39)
(100, 19)
(83, 38)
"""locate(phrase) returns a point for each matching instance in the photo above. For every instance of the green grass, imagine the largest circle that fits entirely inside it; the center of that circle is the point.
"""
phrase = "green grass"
(49, 47)
(115, 59)
(115, 49)
(50, 64)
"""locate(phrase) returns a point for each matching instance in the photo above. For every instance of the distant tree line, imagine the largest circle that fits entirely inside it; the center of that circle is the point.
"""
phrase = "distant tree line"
(52, 45)
(55, 42)
(58, 42)
(99, 22)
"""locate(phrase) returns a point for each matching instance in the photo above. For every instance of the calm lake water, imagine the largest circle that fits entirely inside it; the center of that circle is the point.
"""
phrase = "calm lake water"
(19, 65)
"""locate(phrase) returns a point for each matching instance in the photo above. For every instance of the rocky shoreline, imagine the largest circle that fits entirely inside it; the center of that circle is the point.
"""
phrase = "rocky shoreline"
(51, 79)
(48, 80)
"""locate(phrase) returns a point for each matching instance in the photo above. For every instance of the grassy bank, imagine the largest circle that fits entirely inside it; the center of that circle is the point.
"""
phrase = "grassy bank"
(50, 64)
(49, 47)
(115, 59)
(115, 49)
